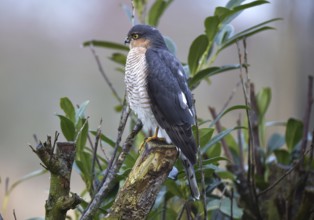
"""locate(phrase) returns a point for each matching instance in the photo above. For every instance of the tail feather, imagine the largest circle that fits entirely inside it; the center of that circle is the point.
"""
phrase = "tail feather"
(190, 176)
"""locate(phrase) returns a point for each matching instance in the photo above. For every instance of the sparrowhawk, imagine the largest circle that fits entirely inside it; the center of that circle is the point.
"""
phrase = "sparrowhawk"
(157, 91)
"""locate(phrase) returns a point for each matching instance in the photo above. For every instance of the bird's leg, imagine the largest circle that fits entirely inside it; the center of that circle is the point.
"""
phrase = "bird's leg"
(154, 137)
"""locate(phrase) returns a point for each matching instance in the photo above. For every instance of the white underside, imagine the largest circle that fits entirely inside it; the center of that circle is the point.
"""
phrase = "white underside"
(137, 93)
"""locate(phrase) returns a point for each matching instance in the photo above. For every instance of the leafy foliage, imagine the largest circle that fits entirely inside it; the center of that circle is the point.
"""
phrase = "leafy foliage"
(172, 200)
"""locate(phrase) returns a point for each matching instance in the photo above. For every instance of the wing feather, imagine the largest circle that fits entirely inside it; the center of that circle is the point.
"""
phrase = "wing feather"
(171, 99)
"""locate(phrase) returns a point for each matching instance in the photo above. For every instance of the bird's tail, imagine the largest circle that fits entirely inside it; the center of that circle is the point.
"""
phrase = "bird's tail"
(190, 176)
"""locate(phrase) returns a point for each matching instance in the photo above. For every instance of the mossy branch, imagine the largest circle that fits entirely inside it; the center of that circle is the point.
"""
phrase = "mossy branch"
(137, 196)
(59, 165)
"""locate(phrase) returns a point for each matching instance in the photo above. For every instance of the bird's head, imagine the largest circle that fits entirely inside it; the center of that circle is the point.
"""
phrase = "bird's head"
(145, 36)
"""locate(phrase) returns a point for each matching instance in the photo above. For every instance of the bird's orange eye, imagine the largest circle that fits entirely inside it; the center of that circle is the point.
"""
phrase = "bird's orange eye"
(135, 36)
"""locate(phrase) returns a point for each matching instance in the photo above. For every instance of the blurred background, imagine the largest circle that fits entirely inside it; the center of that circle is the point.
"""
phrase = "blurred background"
(42, 60)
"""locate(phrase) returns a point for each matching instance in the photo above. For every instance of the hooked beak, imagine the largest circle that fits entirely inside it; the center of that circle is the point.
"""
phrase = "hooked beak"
(127, 40)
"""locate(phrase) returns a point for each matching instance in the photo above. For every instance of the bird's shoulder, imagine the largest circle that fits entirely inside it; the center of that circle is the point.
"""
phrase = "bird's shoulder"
(162, 61)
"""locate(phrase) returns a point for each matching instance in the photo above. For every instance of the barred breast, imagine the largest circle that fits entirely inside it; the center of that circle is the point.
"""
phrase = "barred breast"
(136, 87)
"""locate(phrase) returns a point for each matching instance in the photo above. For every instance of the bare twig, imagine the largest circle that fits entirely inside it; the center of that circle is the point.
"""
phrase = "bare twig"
(81, 129)
(92, 147)
(14, 215)
(109, 181)
(287, 172)
(94, 179)
(181, 212)
(101, 70)
(36, 139)
(133, 13)
(254, 118)
(231, 204)
(123, 119)
(223, 141)
(55, 141)
(104, 152)
(188, 210)
(164, 209)
(240, 141)
(307, 115)
(200, 162)
(247, 102)
(251, 150)
(233, 92)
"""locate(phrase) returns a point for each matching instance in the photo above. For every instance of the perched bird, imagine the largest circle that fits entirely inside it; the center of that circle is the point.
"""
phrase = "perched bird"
(157, 91)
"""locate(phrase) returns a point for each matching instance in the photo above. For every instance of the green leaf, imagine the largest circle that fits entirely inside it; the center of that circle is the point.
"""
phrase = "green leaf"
(232, 108)
(294, 133)
(118, 108)
(82, 138)
(213, 160)
(80, 112)
(224, 205)
(208, 72)
(248, 32)
(225, 174)
(29, 176)
(224, 34)
(130, 160)
(84, 167)
(68, 108)
(186, 70)
(263, 99)
(235, 11)
(232, 144)
(67, 128)
(218, 138)
(171, 45)
(211, 27)
(233, 3)
(205, 135)
(173, 188)
(249, 5)
(275, 142)
(118, 58)
(104, 138)
(197, 49)
(106, 44)
(214, 150)
(140, 6)
(156, 11)
(222, 13)
(282, 156)
(127, 11)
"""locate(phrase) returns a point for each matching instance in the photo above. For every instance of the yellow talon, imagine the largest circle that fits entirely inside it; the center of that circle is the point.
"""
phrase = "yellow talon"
(154, 137)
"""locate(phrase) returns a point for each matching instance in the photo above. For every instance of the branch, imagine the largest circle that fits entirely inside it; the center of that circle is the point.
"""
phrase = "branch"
(101, 70)
(123, 120)
(245, 81)
(200, 164)
(224, 144)
(110, 180)
(59, 165)
(137, 196)
(287, 172)
(307, 115)
(254, 114)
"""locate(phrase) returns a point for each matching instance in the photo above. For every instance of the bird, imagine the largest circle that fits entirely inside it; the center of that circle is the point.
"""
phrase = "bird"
(158, 93)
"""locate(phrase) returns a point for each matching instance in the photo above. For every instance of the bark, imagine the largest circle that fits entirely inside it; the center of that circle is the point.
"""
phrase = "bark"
(137, 196)
(59, 165)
